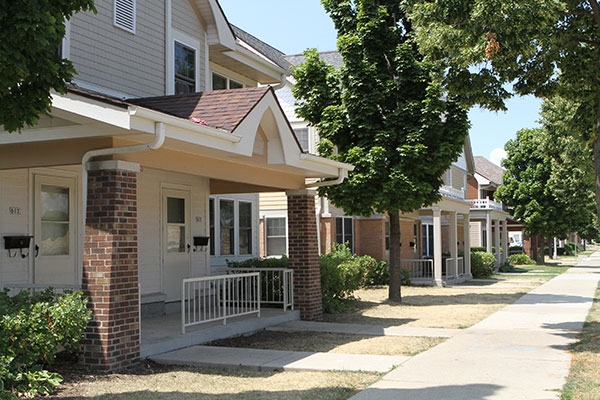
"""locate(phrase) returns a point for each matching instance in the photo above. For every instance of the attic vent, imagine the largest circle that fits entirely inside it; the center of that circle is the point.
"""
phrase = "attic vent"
(125, 15)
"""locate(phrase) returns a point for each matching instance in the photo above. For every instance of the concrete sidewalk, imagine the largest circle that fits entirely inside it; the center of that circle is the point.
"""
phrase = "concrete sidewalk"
(520, 352)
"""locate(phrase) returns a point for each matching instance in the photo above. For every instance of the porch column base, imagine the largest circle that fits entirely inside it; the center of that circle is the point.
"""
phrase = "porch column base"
(303, 248)
(110, 268)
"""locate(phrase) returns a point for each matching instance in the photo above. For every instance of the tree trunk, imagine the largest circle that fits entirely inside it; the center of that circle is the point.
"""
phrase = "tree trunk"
(542, 253)
(597, 163)
(395, 273)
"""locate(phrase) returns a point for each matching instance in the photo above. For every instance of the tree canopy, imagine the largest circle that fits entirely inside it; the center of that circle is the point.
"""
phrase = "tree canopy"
(549, 176)
(30, 64)
(540, 47)
(383, 112)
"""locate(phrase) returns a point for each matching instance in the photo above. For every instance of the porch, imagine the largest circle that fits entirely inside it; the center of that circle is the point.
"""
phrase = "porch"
(162, 334)
(422, 271)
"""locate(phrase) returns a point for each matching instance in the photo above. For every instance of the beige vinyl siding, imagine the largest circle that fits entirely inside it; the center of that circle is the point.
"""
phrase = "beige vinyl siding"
(150, 183)
(14, 193)
(475, 234)
(273, 201)
(107, 57)
(458, 178)
(185, 20)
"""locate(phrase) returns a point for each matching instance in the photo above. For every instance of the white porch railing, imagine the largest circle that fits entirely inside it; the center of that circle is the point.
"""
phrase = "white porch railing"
(276, 285)
(485, 204)
(461, 266)
(215, 298)
(418, 268)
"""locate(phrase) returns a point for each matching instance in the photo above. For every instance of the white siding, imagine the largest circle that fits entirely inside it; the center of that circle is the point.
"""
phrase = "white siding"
(107, 57)
(273, 201)
(475, 234)
(149, 225)
(14, 193)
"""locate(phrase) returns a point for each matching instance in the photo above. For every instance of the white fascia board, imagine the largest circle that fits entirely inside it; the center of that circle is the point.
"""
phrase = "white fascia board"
(222, 30)
(92, 109)
(257, 62)
(59, 133)
(180, 129)
(481, 180)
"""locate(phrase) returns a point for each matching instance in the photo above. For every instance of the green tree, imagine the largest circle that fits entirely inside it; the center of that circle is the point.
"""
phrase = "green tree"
(383, 113)
(549, 177)
(30, 64)
(540, 47)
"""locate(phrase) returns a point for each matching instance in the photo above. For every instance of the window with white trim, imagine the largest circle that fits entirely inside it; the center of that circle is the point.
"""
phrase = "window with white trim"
(220, 82)
(427, 239)
(231, 227)
(303, 138)
(275, 236)
(344, 232)
(124, 15)
(185, 69)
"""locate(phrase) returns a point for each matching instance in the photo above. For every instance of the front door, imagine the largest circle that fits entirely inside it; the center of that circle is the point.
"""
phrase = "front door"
(55, 231)
(176, 243)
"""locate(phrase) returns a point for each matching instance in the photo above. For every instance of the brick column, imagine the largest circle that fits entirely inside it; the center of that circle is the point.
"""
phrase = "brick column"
(303, 248)
(110, 266)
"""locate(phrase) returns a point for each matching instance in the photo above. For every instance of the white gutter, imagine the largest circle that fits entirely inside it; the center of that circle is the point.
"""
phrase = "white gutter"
(342, 174)
(159, 139)
(281, 84)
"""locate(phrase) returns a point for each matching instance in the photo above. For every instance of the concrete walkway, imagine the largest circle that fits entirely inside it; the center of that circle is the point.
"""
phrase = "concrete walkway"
(520, 352)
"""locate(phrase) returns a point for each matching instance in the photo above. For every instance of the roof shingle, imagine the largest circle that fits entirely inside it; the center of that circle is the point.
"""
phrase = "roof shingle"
(222, 109)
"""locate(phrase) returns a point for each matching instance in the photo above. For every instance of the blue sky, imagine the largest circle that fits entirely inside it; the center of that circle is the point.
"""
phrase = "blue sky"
(295, 25)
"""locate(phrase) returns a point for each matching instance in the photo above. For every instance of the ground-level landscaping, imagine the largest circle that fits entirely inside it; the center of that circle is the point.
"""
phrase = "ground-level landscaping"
(429, 307)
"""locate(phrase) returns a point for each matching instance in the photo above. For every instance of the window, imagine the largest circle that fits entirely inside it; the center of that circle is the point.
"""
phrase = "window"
(427, 240)
(276, 235)
(220, 82)
(231, 227)
(185, 69)
(344, 231)
(124, 15)
(302, 136)
(245, 231)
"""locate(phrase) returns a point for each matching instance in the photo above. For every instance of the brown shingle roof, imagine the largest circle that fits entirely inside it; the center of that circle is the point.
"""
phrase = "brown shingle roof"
(488, 170)
(222, 109)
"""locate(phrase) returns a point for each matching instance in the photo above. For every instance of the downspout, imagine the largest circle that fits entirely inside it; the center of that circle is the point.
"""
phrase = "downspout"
(342, 175)
(159, 139)
(281, 84)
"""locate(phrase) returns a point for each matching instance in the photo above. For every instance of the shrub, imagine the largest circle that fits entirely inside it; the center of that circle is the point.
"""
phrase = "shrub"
(282, 262)
(520, 259)
(377, 272)
(32, 329)
(515, 250)
(482, 264)
(475, 249)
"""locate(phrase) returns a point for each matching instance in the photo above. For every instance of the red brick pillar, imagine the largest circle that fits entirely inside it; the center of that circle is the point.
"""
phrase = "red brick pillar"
(110, 266)
(303, 248)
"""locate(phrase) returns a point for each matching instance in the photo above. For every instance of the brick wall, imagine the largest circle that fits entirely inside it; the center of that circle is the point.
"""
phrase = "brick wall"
(303, 250)
(110, 270)
(370, 237)
(472, 188)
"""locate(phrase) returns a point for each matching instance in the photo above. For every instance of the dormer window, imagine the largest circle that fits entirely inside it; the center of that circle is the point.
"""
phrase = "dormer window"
(220, 82)
(185, 69)
(124, 15)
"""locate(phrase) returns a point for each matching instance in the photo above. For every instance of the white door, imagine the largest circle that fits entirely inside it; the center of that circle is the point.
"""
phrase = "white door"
(176, 244)
(55, 231)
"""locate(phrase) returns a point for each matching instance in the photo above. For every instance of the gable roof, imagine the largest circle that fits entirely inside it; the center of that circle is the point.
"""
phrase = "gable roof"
(333, 58)
(263, 48)
(488, 170)
(221, 109)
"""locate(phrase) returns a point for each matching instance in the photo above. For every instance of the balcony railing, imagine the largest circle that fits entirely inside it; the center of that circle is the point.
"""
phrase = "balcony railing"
(485, 204)
(220, 297)
(449, 191)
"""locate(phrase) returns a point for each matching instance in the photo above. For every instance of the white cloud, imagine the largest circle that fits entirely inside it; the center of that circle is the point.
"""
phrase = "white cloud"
(497, 155)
